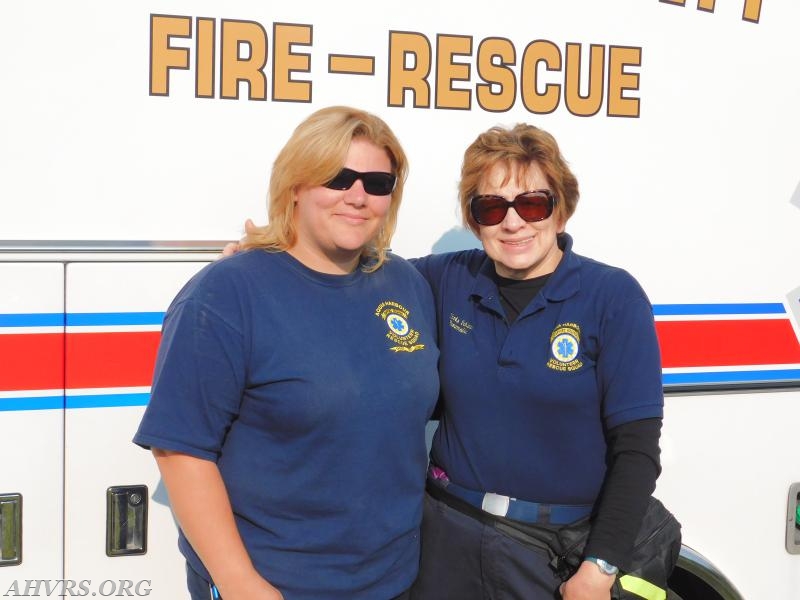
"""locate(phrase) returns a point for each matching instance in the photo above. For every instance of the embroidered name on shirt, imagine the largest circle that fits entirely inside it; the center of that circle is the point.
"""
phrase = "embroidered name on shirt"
(400, 333)
(459, 324)
(564, 348)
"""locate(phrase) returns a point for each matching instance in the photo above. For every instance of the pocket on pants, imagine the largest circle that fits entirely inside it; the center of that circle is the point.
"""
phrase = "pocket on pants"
(515, 570)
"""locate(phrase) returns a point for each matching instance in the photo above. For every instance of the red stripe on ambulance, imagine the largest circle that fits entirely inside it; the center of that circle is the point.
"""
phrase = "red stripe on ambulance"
(111, 359)
(727, 343)
(32, 361)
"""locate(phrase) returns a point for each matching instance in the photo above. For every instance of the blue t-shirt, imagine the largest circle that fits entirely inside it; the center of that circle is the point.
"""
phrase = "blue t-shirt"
(311, 393)
(524, 406)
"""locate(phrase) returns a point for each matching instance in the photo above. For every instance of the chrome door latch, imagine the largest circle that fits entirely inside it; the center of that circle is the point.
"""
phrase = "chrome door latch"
(126, 520)
(793, 520)
(10, 529)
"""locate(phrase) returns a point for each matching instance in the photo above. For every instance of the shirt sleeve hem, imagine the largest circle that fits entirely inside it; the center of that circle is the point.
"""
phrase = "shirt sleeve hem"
(650, 411)
(148, 442)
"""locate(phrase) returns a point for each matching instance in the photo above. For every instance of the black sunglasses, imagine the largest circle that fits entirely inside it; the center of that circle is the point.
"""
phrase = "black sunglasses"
(376, 183)
(490, 209)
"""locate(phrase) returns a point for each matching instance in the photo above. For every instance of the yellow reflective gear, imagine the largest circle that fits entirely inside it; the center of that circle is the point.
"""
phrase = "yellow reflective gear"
(642, 587)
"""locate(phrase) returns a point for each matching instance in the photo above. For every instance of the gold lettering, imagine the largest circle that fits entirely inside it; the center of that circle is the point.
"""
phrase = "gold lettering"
(448, 71)
(404, 47)
(752, 11)
(621, 81)
(204, 69)
(540, 51)
(235, 68)
(164, 57)
(577, 104)
(285, 62)
(496, 73)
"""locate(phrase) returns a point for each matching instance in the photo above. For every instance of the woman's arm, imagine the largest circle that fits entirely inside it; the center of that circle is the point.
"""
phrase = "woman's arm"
(203, 510)
(633, 467)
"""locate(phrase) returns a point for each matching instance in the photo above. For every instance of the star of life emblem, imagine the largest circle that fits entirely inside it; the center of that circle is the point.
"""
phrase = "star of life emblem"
(401, 334)
(397, 324)
(565, 345)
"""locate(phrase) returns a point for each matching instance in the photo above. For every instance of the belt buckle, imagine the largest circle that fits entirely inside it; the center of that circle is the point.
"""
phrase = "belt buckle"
(495, 504)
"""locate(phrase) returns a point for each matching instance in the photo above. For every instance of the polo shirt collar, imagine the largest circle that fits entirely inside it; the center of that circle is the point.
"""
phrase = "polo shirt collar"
(563, 283)
(484, 290)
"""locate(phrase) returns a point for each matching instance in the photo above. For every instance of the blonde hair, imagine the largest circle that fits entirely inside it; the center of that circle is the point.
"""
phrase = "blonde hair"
(314, 154)
(517, 148)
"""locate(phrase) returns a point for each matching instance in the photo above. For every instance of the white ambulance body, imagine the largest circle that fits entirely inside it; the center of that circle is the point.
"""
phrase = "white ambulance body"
(133, 132)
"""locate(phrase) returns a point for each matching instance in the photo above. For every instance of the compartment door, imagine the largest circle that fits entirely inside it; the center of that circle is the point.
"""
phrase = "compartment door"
(114, 315)
(31, 424)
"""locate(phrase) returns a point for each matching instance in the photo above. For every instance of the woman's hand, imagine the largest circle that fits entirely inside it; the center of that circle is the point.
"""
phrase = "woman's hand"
(232, 248)
(201, 504)
(588, 583)
(251, 587)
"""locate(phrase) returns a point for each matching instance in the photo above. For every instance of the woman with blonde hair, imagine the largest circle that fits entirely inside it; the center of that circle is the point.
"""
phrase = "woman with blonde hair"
(294, 381)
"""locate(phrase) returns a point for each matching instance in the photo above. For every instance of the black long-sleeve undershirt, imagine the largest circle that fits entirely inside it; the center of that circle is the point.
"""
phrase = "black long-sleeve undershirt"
(633, 465)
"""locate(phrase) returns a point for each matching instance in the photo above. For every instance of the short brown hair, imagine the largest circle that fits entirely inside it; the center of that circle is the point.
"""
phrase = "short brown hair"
(516, 148)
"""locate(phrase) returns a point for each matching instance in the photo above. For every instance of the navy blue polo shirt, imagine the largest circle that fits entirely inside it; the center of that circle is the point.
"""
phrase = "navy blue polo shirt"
(311, 393)
(524, 406)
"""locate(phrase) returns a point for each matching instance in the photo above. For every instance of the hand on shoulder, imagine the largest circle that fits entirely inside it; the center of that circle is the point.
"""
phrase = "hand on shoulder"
(232, 248)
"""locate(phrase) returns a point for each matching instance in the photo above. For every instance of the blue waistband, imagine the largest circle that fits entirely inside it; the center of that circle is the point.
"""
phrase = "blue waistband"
(511, 508)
